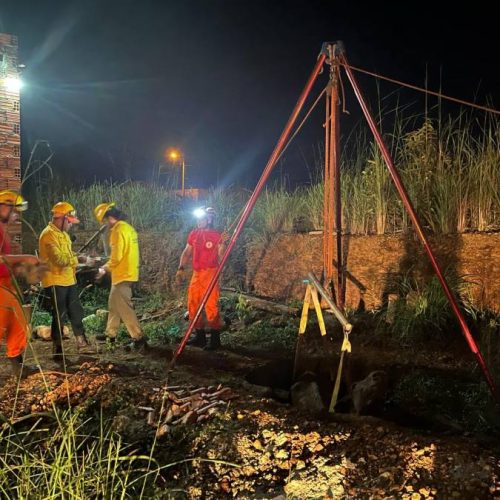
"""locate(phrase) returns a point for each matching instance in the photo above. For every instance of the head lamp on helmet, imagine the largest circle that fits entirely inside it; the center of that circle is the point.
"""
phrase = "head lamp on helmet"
(200, 213)
(204, 213)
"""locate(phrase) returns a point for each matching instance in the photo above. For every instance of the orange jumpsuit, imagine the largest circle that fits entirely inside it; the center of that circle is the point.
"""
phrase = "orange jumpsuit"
(13, 323)
(205, 243)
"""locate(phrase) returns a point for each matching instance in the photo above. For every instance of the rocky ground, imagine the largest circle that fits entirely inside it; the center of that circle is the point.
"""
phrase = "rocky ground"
(248, 445)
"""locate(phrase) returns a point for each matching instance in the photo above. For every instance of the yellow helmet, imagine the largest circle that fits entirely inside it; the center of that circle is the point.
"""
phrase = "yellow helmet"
(100, 211)
(13, 199)
(65, 209)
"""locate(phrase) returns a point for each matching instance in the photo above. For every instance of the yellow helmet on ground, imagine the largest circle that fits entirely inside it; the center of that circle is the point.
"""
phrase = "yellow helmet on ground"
(65, 209)
(100, 211)
(13, 199)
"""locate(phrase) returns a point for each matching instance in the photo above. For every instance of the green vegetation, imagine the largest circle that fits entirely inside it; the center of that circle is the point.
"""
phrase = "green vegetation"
(451, 170)
(94, 298)
(421, 310)
(446, 401)
(72, 464)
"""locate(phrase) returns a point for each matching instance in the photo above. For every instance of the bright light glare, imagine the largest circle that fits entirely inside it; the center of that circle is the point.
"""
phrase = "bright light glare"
(173, 154)
(13, 83)
(199, 213)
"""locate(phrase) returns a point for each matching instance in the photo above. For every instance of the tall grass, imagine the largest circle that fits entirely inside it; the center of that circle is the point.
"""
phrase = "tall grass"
(147, 206)
(451, 170)
(312, 202)
(274, 213)
(60, 460)
(422, 309)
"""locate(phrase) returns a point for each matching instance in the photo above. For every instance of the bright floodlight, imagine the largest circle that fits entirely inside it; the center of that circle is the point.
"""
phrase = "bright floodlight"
(199, 213)
(13, 83)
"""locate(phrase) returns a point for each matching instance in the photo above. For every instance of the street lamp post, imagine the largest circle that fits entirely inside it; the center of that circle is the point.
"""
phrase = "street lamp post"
(174, 155)
(183, 175)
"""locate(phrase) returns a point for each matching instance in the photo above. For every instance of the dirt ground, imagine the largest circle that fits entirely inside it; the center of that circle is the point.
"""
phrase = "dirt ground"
(254, 446)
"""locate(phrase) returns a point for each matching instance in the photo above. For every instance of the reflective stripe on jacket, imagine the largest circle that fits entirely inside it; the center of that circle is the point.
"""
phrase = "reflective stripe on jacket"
(55, 250)
(124, 261)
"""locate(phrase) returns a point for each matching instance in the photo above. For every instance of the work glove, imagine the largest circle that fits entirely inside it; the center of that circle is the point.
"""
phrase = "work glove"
(86, 260)
(100, 273)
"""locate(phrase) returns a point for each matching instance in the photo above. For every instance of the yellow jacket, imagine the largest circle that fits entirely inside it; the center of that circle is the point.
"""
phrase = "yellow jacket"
(124, 261)
(55, 250)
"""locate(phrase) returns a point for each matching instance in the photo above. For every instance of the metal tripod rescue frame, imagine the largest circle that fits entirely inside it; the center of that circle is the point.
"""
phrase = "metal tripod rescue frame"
(334, 53)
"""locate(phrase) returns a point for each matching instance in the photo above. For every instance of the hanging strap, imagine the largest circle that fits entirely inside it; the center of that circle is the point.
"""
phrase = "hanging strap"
(346, 347)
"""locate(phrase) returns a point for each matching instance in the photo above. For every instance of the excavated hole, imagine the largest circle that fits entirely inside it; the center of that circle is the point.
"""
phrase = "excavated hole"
(277, 376)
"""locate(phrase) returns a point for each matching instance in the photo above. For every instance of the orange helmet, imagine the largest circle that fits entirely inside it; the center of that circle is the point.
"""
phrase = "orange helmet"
(100, 211)
(65, 209)
(13, 199)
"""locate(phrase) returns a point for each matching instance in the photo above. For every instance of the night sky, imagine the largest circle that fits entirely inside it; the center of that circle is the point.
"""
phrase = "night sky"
(110, 84)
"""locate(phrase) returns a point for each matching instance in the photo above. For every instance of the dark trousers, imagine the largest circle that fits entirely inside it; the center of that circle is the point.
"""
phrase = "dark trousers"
(64, 301)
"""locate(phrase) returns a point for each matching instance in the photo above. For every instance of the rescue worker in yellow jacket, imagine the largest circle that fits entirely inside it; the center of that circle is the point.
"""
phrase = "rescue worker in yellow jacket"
(55, 250)
(13, 321)
(123, 265)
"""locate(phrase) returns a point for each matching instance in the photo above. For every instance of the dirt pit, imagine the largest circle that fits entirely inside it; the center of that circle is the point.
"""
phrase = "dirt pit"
(258, 444)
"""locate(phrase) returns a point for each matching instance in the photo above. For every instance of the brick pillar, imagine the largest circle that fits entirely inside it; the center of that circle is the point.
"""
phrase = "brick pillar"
(10, 126)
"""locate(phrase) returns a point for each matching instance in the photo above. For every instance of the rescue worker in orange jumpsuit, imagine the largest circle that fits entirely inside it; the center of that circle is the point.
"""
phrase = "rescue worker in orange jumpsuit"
(204, 249)
(14, 326)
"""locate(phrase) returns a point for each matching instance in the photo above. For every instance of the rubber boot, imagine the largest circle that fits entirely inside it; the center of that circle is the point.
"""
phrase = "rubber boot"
(102, 337)
(83, 345)
(57, 353)
(199, 339)
(138, 345)
(214, 343)
(19, 369)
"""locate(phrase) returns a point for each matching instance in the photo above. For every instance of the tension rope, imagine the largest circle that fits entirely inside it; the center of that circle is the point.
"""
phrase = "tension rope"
(421, 89)
(290, 140)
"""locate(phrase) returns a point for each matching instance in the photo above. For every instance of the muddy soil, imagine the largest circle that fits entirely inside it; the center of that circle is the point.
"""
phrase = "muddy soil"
(256, 446)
